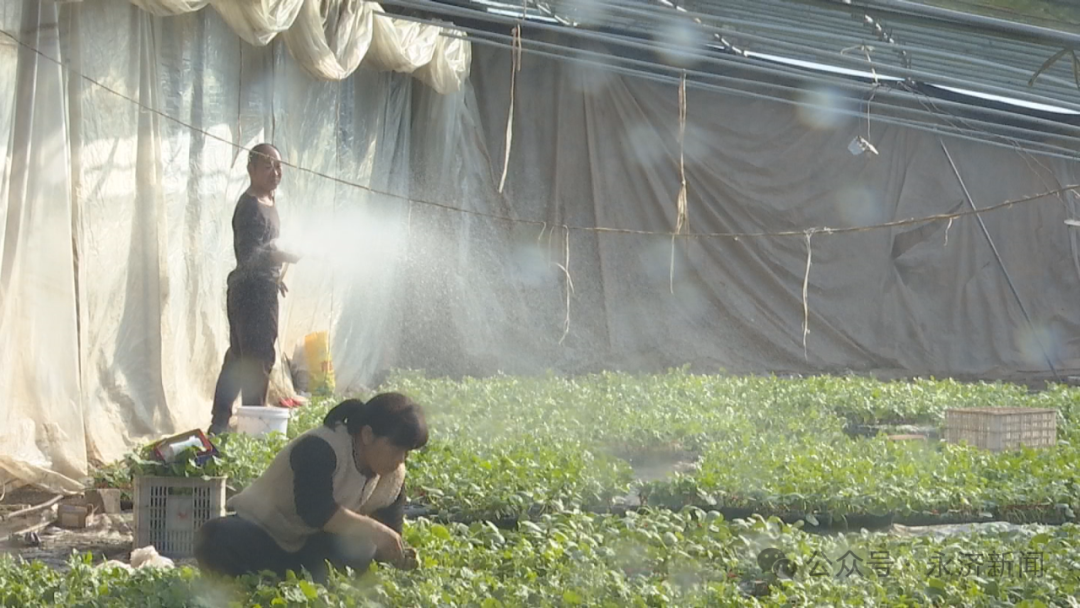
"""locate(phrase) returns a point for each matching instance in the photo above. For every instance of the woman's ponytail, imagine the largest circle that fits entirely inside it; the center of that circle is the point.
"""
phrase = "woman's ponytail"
(348, 412)
(390, 415)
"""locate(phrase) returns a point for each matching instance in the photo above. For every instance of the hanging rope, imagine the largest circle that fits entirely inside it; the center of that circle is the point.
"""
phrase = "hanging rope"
(681, 219)
(805, 290)
(866, 145)
(565, 267)
(239, 105)
(515, 67)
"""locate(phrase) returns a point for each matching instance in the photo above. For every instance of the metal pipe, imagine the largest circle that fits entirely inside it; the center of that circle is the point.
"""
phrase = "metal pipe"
(434, 6)
(898, 70)
(1058, 129)
(1022, 31)
(804, 29)
(1001, 263)
(798, 31)
(1054, 125)
(828, 32)
(1010, 142)
(952, 131)
(1010, 68)
(828, 22)
(1024, 59)
(571, 32)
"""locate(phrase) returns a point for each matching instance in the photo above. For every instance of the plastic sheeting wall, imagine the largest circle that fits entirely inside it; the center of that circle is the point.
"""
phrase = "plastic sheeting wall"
(329, 38)
(115, 221)
(123, 341)
(41, 431)
(594, 149)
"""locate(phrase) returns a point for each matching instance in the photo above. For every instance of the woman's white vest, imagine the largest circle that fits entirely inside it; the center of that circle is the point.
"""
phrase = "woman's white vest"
(269, 501)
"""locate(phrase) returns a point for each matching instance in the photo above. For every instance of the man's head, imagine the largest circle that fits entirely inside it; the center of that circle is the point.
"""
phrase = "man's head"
(264, 168)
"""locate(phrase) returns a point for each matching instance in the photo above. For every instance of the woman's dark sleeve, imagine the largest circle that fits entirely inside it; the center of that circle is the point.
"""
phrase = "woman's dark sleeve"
(313, 463)
(392, 516)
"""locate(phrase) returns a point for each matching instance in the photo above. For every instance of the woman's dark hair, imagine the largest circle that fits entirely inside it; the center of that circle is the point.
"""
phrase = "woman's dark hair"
(260, 151)
(390, 415)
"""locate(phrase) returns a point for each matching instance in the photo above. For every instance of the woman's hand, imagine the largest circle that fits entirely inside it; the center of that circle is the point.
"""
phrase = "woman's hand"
(409, 561)
(388, 545)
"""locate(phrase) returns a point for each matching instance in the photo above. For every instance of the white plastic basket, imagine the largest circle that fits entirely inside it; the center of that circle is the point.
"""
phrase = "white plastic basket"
(1002, 428)
(170, 510)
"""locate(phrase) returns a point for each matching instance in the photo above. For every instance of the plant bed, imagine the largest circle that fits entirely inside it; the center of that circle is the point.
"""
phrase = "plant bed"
(947, 518)
(822, 522)
(500, 478)
(861, 521)
(503, 522)
(652, 558)
(652, 456)
(660, 462)
(811, 522)
(501, 445)
(1036, 513)
(932, 433)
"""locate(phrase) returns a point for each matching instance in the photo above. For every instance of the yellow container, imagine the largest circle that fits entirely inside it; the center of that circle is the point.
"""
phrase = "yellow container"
(319, 365)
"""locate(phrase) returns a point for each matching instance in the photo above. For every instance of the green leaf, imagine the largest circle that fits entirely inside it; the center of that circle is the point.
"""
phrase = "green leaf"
(439, 531)
(573, 598)
(309, 590)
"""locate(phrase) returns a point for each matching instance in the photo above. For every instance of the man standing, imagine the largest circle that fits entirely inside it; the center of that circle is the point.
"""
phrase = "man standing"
(253, 287)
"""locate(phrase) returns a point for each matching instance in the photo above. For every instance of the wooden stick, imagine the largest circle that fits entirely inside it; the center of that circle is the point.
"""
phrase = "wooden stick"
(31, 510)
(34, 528)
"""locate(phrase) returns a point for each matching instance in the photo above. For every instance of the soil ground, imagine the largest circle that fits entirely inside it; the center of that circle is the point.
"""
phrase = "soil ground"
(106, 537)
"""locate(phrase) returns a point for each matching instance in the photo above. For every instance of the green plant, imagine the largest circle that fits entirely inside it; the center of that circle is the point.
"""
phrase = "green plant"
(660, 558)
(511, 447)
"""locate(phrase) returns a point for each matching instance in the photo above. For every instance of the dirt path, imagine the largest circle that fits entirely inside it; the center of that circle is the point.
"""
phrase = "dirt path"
(109, 537)
(106, 537)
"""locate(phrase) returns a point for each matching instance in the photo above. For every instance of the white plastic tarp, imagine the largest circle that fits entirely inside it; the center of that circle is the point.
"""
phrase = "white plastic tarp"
(116, 237)
(121, 174)
(330, 38)
(594, 149)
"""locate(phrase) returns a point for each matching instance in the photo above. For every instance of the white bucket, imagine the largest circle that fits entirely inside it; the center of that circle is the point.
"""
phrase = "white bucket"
(260, 420)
